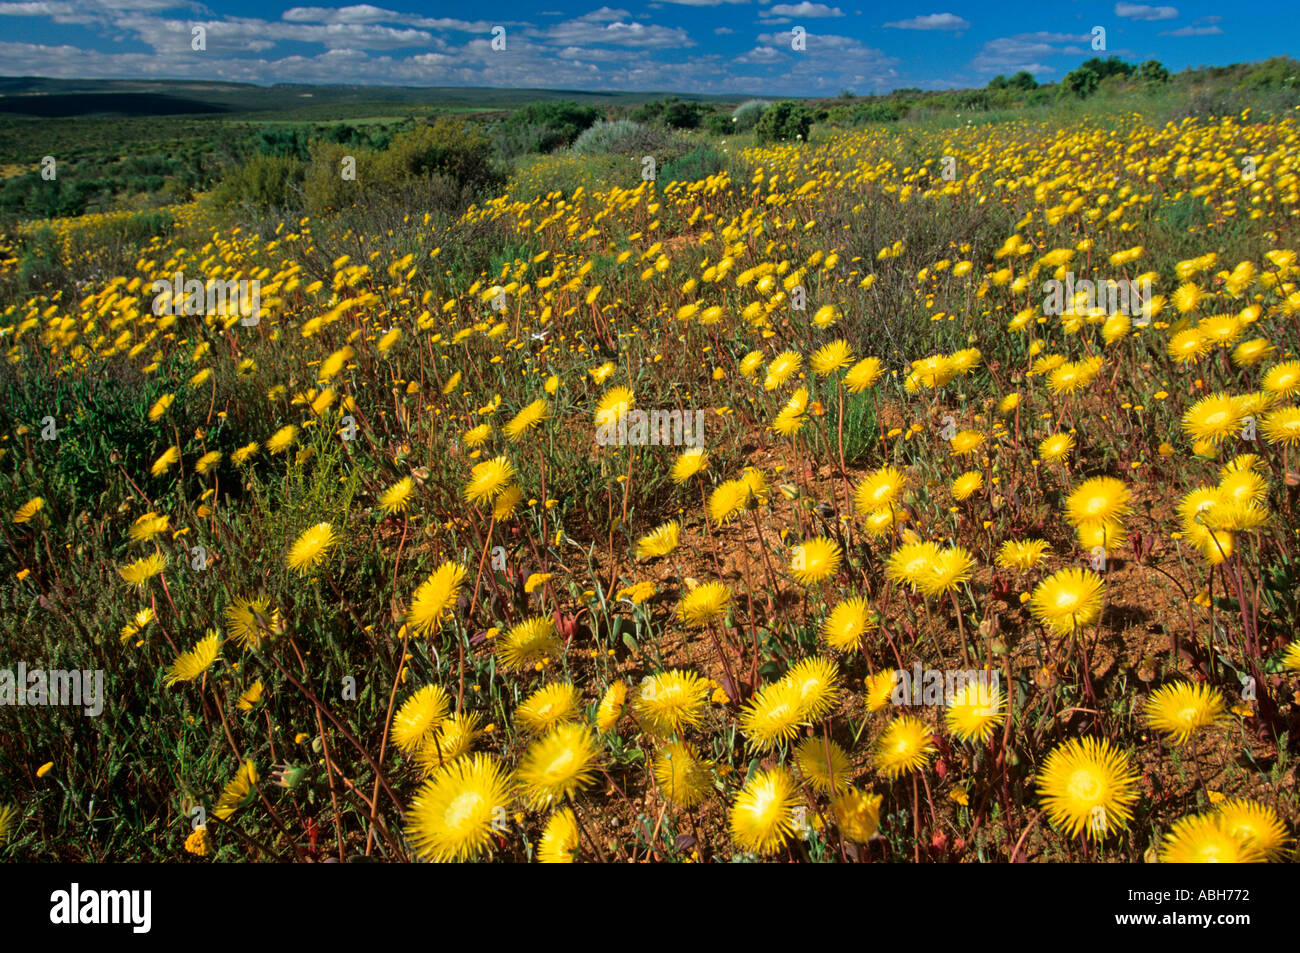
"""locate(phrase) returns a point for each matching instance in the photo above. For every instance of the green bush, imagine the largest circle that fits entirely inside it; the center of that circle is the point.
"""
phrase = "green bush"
(446, 147)
(785, 121)
(699, 163)
(549, 125)
(325, 191)
(264, 182)
(747, 114)
(1081, 82)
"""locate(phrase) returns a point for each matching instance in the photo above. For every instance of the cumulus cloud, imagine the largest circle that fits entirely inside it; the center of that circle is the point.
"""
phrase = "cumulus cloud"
(931, 21)
(804, 10)
(1142, 11)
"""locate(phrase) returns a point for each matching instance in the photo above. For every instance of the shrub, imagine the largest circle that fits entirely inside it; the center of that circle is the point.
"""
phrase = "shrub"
(448, 147)
(264, 182)
(549, 125)
(719, 124)
(699, 163)
(1081, 82)
(785, 121)
(747, 114)
(624, 137)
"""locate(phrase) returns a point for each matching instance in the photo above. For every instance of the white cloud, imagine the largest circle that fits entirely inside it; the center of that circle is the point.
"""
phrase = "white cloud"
(803, 10)
(1141, 11)
(1194, 31)
(931, 21)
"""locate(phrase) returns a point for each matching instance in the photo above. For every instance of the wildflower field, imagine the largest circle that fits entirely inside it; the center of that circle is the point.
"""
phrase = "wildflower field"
(414, 561)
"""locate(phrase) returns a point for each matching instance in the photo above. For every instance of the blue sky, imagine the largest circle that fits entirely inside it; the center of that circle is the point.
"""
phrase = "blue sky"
(704, 46)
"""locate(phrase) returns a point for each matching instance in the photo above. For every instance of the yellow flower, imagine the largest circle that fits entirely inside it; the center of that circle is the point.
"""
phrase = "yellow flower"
(703, 604)
(456, 812)
(903, 747)
(1068, 600)
(814, 560)
(970, 482)
(190, 665)
(762, 816)
(311, 547)
(1181, 709)
(660, 542)
(1087, 784)
(395, 498)
(848, 623)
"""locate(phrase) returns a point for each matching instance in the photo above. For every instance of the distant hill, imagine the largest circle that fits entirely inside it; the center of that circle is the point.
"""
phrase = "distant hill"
(38, 96)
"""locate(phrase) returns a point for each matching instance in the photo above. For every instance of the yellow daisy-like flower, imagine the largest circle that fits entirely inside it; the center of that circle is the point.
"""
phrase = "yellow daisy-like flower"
(912, 563)
(312, 547)
(879, 689)
(825, 772)
(239, 793)
(489, 478)
(1096, 499)
(559, 764)
(773, 715)
(549, 705)
(1023, 554)
(857, 813)
(879, 490)
(905, 746)
(862, 375)
(704, 604)
(975, 708)
(29, 509)
(969, 483)
(418, 716)
(1056, 447)
(243, 454)
(817, 682)
(282, 439)
(396, 497)
(1203, 839)
(1067, 600)
(1215, 418)
(1282, 379)
(611, 705)
(814, 560)
(948, 569)
(160, 406)
(728, 499)
(207, 462)
(1249, 353)
(163, 463)
(148, 526)
(1181, 709)
(450, 740)
(560, 838)
(1291, 657)
(1087, 784)
(528, 643)
(829, 358)
(965, 442)
(476, 436)
(504, 506)
(455, 813)
(190, 665)
(143, 569)
(762, 816)
(434, 598)
(782, 367)
(668, 702)
(250, 621)
(1282, 426)
(681, 775)
(793, 415)
(689, 463)
(661, 541)
(614, 405)
(848, 623)
(1257, 824)
(1187, 346)
(527, 418)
